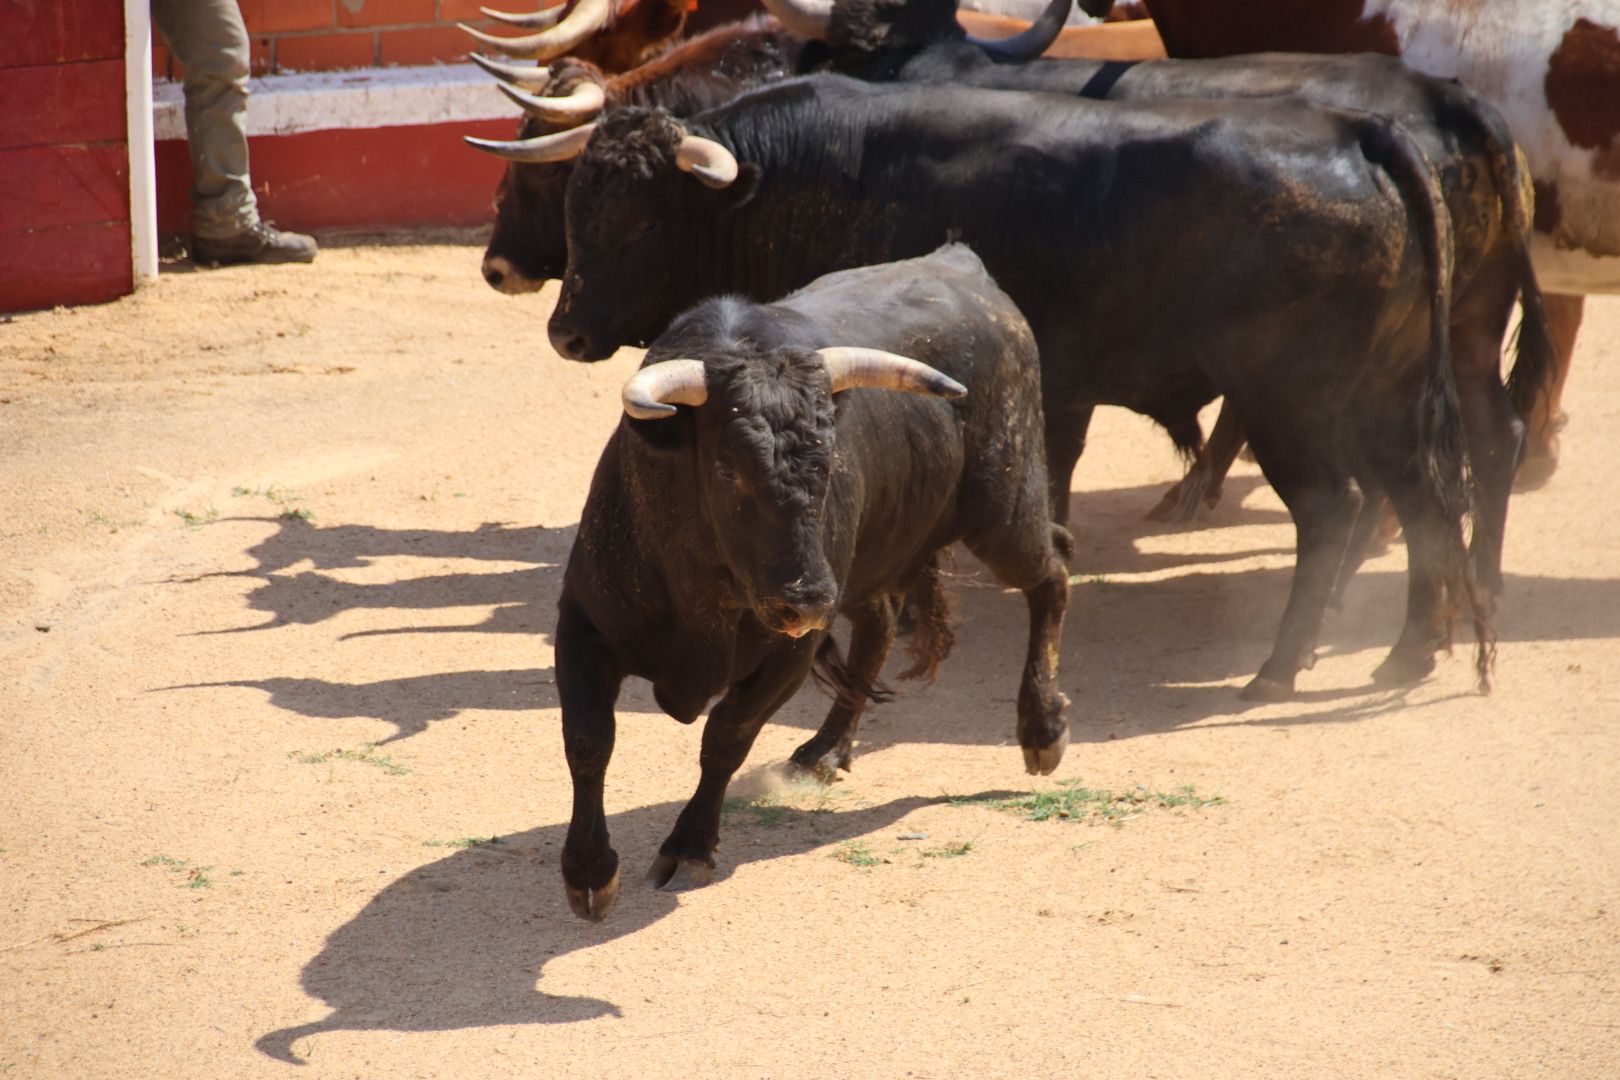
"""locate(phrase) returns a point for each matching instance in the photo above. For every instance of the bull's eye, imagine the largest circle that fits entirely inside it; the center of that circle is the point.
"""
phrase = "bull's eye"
(726, 472)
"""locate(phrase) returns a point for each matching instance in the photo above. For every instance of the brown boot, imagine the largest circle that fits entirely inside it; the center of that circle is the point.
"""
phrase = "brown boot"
(263, 243)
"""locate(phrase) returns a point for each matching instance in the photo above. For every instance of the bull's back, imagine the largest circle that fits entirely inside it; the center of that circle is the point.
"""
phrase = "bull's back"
(904, 460)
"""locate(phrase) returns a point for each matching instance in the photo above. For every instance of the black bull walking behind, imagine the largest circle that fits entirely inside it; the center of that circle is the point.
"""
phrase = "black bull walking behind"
(1299, 257)
(766, 477)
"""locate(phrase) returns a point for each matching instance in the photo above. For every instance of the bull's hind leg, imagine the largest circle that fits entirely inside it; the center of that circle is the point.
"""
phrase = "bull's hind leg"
(1065, 441)
(1316, 489)
(1204, 479)
(1028, 555)
(872, 631)
(1439, 578)
(728, 735)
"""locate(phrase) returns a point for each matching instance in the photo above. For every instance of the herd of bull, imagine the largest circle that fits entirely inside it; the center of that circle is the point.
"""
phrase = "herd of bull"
(881, 301)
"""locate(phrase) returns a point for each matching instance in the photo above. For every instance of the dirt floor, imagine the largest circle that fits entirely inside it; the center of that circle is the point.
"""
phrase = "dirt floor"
(283, 780)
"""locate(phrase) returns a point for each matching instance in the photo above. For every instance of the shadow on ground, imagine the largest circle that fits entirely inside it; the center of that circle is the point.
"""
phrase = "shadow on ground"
(1192, 638)
(459, 942)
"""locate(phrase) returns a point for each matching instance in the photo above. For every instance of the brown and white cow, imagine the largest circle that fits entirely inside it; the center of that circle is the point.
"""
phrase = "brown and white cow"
(1552, 69)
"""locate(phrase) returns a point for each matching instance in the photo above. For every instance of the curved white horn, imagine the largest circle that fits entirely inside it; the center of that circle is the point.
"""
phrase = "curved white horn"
(653, 392)
(807, 18)
(1029, 44)
(707, 160)
(544, 19)
(584, 19)
(529, 75)
(580, 104)
(558, 146)
(849, 367)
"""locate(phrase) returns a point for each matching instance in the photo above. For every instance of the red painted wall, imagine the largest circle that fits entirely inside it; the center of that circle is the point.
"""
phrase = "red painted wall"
(64, 215)
(369, 177)
(332, 35)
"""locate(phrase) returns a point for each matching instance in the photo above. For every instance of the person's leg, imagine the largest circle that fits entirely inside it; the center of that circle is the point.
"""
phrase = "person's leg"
(211, 42)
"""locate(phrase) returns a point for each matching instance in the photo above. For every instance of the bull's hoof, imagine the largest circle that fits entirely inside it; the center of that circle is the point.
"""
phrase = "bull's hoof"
(1536, 469)
(679, 872)
(806, 764)
(1540, 458)
(820, 771)
(1403, 669)
(1263, 688)
(593, 904)
(1044, 760)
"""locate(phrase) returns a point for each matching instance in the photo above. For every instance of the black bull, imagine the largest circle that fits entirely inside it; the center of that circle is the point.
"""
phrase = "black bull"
(1486, 188)
(1301, 259)
(717, 540)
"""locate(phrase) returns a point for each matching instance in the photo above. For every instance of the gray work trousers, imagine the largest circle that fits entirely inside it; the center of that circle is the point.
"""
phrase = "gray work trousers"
(210, 39)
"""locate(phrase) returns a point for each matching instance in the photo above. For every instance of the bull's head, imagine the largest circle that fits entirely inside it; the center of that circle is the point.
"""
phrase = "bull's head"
(527, 245)
(757, 427)
(859, 32)
(617, 34)
(633, 202)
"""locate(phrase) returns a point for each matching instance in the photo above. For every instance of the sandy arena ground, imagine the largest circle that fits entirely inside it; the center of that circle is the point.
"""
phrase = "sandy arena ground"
(278, 582)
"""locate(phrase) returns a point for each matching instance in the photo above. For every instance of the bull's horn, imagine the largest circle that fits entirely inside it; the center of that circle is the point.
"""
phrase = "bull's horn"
(807, 18)
(707, 160)
(577, 106)
(544, 19)
(535, 78)
(1030, 43)
(849, 367)
(653, 392)
(558, 146)
(585, 18)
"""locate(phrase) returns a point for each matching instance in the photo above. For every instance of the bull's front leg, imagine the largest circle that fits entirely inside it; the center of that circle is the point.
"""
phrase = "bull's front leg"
(588, 680)
(728, 735)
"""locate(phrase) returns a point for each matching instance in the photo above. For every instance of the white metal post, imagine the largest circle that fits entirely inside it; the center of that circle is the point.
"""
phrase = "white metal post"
(143, 238)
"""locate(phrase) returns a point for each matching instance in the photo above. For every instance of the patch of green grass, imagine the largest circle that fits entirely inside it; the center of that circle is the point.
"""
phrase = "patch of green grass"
(778, 808)
(949, 851)
(111, 524)
(856, 853)
(366, 755)
(281, 497)
(464, 842)
(196, 877)
(195, 520)
(1073, 802)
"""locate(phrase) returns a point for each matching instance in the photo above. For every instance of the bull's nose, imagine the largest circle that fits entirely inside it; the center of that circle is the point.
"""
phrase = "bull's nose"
(496, 271)
(800, 616)
(574, 344)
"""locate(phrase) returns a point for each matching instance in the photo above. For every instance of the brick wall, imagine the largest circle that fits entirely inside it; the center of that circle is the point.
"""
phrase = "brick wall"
(330, 35)
(64, 197)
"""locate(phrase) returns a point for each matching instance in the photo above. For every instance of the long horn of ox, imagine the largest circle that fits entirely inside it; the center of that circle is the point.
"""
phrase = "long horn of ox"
(849, 367)
(585, 18)
(576, 107)
(807, 18)
(535, 78)
(707, 160)
(544, 19)
(1032, 42)
(653, 392)
(558, 146)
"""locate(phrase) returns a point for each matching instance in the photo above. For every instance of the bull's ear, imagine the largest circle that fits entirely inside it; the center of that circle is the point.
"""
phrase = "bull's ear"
(667, 436)
(736, 194)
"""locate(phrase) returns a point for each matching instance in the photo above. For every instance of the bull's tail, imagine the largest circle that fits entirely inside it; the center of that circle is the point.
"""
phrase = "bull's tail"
(930, 604)
(831, 671)
(1534, 359)
(1442, 443)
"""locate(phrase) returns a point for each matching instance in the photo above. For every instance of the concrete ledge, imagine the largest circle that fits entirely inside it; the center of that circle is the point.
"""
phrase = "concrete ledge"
(335, 100)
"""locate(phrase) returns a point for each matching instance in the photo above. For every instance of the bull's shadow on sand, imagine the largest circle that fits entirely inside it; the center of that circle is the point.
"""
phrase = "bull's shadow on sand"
(459, 943)
(524, 599)
(1177, 632)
